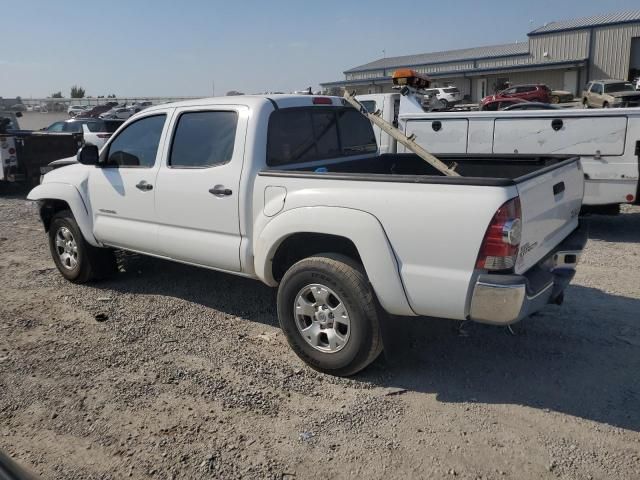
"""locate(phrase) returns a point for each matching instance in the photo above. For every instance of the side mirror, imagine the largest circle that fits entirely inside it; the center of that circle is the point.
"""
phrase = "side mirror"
(18, 114)
(88, 155)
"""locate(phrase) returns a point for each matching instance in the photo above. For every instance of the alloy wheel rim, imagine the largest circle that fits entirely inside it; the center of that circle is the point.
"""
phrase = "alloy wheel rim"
(66, 248)
(322, 318)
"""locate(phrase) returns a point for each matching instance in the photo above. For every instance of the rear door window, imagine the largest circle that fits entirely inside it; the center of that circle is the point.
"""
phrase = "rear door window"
(95, 126)
(203, 139)
(306, 134)
(111, 126)
(74, 127)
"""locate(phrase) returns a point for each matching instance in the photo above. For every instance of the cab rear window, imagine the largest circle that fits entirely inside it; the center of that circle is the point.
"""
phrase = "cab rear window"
(298, 135)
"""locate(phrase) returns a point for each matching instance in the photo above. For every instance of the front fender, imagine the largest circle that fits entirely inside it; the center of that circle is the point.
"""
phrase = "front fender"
(362, 228)
(67, 193)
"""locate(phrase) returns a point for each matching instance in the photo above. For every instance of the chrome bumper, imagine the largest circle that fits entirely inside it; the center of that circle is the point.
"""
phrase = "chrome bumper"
(505, 299)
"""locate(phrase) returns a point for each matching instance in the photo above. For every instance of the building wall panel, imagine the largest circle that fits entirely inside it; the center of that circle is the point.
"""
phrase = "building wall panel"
(560, 46)
(611, 51)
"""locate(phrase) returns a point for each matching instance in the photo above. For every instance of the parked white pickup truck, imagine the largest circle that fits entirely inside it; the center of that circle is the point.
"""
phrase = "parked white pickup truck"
(607, 141)
(290, 190)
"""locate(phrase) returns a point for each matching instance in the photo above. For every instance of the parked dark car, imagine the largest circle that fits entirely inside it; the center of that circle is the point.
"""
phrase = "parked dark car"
(531, 93)
(531, 106)
(500, 103)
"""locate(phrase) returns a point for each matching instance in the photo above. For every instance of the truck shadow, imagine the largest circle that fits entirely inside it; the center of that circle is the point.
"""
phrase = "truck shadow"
(615, 228)
(14, 190)
(581, 359)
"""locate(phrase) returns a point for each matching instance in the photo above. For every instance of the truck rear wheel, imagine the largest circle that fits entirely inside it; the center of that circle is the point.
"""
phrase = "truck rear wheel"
(329, 314)
(77, 260)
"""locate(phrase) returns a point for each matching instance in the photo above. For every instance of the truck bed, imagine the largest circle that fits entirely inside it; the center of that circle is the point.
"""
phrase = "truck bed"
(550, 190)
(489, 170)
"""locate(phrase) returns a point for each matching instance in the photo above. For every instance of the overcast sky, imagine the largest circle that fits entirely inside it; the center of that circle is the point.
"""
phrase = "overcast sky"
(173, 48)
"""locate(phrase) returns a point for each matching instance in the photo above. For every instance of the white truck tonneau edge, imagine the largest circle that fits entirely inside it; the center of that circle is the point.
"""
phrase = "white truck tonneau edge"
(291, 190)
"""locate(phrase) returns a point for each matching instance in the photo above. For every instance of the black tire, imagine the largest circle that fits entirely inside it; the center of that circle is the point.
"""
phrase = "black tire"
(349, 282)
(555, 99)
(585, 103)
(91, 263)
(444, 104)
(605, 105)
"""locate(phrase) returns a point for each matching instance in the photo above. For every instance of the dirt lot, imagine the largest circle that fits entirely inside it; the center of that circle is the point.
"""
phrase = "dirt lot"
(190, 377)
(38, 120)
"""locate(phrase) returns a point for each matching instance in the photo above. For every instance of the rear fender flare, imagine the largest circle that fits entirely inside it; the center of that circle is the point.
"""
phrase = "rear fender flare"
(362, 228)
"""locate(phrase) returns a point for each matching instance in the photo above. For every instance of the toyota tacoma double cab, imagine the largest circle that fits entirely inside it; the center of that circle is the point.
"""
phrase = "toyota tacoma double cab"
(291, 190)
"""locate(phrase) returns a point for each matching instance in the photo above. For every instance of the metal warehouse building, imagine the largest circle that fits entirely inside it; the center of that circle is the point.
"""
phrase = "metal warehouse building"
(564, 55)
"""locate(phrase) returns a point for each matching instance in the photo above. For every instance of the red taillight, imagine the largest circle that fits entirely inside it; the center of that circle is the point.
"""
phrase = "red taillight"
(322, 101)
(12, 151)
(500, 245)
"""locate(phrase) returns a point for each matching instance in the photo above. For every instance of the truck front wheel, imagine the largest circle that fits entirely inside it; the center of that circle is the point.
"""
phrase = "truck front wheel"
(329, 314)
(77, 260)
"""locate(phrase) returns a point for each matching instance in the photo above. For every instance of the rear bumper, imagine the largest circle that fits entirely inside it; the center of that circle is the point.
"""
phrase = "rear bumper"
(505, 299)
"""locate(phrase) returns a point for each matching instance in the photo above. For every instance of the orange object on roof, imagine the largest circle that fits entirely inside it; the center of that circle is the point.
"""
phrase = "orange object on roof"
(407, 76)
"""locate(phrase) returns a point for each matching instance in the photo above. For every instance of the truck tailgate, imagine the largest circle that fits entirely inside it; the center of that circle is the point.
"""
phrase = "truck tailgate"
(550, 201)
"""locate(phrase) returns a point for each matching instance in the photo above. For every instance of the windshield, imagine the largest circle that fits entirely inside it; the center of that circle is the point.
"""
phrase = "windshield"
(618, 87)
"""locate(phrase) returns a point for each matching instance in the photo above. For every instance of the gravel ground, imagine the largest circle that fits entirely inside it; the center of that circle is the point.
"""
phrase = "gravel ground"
(188, 376)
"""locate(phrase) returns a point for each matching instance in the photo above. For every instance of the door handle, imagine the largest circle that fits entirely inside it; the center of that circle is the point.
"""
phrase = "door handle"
(220, 191)
(558, 188)
(144, 186)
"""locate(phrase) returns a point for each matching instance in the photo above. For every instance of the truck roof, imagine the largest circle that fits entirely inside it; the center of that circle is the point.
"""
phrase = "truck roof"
(280, 100)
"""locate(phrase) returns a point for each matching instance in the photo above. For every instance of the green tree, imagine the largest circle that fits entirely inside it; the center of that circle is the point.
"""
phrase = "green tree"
(77, 92)
(56, 95)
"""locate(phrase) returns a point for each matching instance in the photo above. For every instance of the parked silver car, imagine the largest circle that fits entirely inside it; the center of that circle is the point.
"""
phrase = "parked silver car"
(121, 113)
(610, 93)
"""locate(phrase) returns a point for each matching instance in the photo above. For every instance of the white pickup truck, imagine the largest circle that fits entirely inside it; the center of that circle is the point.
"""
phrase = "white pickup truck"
(290, 190)
(607, 141)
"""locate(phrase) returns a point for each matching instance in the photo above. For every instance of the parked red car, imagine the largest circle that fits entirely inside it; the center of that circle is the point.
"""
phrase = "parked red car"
(530, 93)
